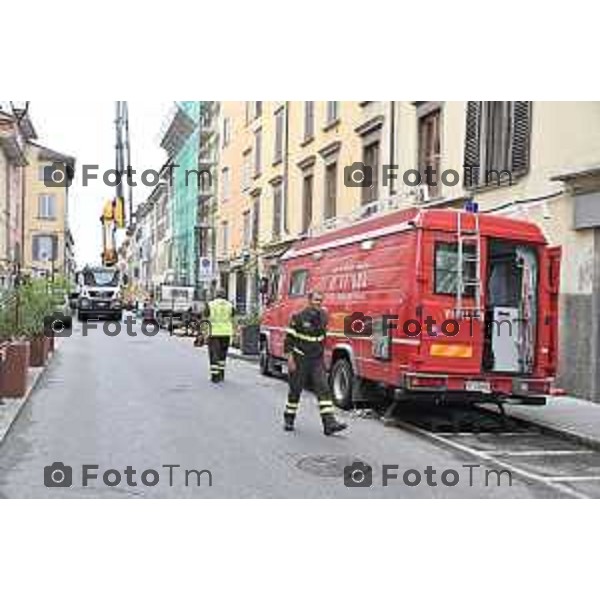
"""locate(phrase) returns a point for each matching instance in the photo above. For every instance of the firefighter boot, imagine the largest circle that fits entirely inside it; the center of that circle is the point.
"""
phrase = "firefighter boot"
(331, 425)
(289, 414)
(288, 422)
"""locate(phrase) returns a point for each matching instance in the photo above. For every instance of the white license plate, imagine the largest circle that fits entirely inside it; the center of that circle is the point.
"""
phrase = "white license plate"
(478, 386)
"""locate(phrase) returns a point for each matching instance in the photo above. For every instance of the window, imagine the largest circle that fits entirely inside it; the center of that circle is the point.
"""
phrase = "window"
(241, 286)
(496, 123)
(46, 206)
(330, 190)
(224, 237)
(255, 222)
(309, 120)
(429, 150)
(41, 172)
(298, 281)
(497, 142)
(446, 268)
(247, 170)
(277, 210)
(226, 132)
(371, 162)
(279, 130)
(226, 183)
(332, 111)
(307, 201)
(247, 236)
(44, 247)
(257, 109)
(257, 152)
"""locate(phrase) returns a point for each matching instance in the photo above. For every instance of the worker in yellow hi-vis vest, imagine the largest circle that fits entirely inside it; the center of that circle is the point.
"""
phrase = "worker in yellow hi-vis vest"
(220, 313)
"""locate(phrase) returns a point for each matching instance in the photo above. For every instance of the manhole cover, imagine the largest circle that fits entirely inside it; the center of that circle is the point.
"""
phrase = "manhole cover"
(325, 465)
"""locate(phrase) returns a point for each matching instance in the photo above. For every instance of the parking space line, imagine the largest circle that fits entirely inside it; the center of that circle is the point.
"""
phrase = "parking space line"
(485, 456)
(472, 433)
(539, 452)
(574, 478)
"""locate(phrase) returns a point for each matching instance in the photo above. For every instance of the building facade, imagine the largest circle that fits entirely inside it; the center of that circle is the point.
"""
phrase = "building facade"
(35, 239)
(48, 241)
(13, 162)
(289, 169)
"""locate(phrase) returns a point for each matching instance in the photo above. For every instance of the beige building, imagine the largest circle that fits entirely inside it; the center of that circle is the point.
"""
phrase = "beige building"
(13, 163)
(47, 239)
(286, 170)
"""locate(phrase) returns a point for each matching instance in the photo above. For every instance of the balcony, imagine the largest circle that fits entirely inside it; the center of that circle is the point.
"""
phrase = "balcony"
(178, 129)
(206, 192)
(206, 160)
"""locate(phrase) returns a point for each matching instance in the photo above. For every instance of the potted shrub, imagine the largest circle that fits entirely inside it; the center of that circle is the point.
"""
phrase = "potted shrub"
(15, 349)
(37, 303)
(249, 327)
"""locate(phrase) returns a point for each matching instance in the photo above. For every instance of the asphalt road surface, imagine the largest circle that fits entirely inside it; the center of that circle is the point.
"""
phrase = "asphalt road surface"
(145, 402)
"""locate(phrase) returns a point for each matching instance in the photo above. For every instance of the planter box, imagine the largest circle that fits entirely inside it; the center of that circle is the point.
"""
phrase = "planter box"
(13, 371)
(249, 336)
(38, 351)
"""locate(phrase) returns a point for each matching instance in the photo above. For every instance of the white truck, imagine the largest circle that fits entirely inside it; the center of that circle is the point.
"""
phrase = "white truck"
(100, 293)
(172, 302)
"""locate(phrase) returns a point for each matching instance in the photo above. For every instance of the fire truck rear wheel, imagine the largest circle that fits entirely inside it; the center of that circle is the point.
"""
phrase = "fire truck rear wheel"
(342, 380)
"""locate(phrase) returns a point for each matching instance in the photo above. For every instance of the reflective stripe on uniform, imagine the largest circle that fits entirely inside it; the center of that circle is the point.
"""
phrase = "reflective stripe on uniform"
(326, 407)
(291, 407)
(305, 338)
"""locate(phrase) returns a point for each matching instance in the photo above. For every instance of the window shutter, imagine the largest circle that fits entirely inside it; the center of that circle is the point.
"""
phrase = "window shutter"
(521, 137)
(472, 158)
(54, 247)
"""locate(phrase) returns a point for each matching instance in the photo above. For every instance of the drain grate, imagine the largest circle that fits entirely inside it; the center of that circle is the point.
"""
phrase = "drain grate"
(326, 465)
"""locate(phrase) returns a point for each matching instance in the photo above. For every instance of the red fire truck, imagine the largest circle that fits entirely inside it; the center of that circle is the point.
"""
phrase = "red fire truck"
(443, 304)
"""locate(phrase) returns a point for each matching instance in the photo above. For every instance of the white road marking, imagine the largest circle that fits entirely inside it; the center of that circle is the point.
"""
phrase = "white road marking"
(472, 433)
(539, 452)
(567, 478)
(555, 485)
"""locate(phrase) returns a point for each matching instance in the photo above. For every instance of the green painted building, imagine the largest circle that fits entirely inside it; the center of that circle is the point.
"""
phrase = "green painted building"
(191, 142)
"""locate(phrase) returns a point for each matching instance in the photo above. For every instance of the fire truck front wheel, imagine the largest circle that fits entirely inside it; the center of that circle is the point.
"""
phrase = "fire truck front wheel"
(265, 360)
(342, 381)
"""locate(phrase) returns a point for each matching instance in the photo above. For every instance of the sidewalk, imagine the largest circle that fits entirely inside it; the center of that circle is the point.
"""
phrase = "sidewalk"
(237, 353)
(11, 407)
(571, 417)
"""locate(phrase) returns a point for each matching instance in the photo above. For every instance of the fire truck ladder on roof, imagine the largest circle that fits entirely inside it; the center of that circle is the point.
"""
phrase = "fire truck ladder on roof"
(469, 252)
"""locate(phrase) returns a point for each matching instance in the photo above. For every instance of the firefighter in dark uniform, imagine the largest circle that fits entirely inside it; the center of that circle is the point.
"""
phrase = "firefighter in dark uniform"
(220, 312)
(304, 345)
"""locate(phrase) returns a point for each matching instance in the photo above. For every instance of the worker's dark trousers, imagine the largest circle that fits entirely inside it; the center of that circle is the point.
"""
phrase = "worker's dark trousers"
(309, 375)
(217, 355)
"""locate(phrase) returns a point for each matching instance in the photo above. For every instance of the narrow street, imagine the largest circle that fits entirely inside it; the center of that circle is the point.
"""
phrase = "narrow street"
(146, 402)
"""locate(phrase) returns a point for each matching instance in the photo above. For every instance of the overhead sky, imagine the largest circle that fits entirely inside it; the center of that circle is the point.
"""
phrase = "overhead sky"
(86, 131)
